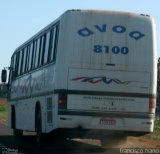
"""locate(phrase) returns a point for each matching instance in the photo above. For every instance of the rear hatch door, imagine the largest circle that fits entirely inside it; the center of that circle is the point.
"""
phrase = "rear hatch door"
(103, 90)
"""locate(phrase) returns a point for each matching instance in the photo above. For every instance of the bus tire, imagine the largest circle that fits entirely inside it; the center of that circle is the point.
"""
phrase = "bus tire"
(38, 129)
(16, 132)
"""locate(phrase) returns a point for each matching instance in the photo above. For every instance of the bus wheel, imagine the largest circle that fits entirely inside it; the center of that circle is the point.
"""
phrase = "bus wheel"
(16, 132)
(38, 129)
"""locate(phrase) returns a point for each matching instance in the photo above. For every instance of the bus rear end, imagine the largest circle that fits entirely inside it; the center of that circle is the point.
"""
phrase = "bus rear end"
(111, 72)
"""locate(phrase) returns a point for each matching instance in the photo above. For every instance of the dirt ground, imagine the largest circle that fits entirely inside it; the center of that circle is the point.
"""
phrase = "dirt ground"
(130, 142)
(141, 142)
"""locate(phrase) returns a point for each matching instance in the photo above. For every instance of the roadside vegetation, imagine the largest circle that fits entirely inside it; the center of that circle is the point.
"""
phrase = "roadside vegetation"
(3, 112)
(156, 134)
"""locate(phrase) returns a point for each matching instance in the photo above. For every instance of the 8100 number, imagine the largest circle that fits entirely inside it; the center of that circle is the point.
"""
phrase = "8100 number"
(114, 49)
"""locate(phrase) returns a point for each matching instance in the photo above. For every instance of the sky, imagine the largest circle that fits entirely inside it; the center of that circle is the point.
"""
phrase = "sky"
(21, 19)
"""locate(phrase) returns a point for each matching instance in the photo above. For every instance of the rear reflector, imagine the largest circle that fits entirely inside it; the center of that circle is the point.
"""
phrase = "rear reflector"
(62, 101)
(152, 105)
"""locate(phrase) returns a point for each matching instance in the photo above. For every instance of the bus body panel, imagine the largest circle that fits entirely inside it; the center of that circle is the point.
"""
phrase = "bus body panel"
(35, 87)
(35, 83)
(109, 81)
(107, 123)
(108, 90)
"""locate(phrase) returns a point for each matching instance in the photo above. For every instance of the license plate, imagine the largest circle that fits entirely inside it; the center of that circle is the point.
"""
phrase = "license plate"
(107, 121)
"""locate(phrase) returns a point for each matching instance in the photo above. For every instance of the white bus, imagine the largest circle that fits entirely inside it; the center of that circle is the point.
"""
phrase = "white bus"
(89, 69)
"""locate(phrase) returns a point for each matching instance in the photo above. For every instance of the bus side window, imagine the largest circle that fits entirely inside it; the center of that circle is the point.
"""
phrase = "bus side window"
(30, 57)
(22, 51)
(16, 64)
(20, 63)
(42, 50)
(13, 65)
(24, 59)
(56, 43)
(37, 53)
(27, 58)
(34, 54)
(52, 43)
(47, 47)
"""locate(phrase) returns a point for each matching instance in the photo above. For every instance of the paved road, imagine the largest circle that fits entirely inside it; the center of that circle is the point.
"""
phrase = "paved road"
(27, 145)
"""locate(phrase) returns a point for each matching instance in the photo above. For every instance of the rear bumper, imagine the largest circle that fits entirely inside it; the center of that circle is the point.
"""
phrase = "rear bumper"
(108, 121)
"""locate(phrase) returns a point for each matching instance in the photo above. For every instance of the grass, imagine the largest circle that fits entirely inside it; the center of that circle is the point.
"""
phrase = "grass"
(3, 108)
(3, 112)
(157, 126)
(156, 133)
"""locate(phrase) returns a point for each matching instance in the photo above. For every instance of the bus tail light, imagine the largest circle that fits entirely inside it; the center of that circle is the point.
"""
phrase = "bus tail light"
(152, 105)
(62, 101)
